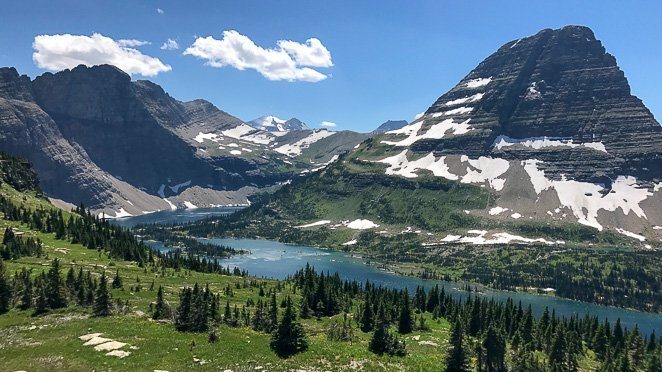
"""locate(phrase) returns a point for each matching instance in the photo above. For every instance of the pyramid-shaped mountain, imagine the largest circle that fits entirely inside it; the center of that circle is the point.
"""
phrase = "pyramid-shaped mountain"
(543, 134)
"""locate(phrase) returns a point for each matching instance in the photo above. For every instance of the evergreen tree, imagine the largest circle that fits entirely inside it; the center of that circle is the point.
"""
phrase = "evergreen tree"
(273, 314)
(495, 350)
(117, 280)
(379, 341)
(366, 322)
(41, 304)
(405, 322)
(635, 347)
(55, 287)
(161, 310)
(457, 357)
(5, 290)
(102, 300)
(289, 338)
(25, 301)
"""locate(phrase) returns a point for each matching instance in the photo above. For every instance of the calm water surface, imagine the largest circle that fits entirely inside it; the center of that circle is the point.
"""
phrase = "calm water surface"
(277, 260)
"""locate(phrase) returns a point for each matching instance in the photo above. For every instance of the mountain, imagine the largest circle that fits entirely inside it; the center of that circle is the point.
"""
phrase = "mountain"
(127, 147)
(390, 125)
(274, 124)
(542, 143)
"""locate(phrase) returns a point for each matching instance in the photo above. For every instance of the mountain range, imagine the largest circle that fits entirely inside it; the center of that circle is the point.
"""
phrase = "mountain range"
(126, 147)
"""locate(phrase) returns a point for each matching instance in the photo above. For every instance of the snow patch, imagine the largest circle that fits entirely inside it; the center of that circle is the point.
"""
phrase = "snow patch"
(201, 137)
(477, 83)
(235, 152)
(486, 170)
(318, 223)
(459, 101)
(631, 234)
(436, 131)
(351, 242)
(360, 224)
(479, 237)
(296, 148)
(542, 142)
(172, 206)
(497, 210)
(585, 199)
(190, 205)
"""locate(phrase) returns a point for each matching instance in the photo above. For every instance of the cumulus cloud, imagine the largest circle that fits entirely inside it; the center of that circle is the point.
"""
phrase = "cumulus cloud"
(170, 44)
(59, 52)
(328, 124)
(289, 61)
(160, 11)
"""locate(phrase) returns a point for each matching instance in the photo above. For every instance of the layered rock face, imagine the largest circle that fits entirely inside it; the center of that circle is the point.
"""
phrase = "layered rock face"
(65, 169)
(127, 147)
(549, 123)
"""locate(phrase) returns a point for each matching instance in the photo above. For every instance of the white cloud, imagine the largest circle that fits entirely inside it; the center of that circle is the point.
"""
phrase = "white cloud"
(170, 44)
(59, 52)
(132, 42)
(288, 61)
(328, 124)
(160, 11)
(312, 53)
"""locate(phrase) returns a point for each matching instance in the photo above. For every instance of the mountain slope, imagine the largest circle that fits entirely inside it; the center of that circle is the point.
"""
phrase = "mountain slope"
(546, 128)
(127, 147)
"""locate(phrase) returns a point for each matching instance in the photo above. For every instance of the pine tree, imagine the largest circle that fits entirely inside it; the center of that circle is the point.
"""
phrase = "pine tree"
(367, 322)
(635, 347)
(273, 314)
(41, 304)
(289, 338)
(26, 290)
(5, 290)
(559, 348)
(618, 339)
(405, 321)
(495, 349)
(457, 356)
(161, 310)
(183, 320)
(55, 287)
(227, 314)
(102, 300)
(117, 280)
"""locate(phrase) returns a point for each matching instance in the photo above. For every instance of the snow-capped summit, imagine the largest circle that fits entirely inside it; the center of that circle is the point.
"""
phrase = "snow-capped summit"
(274, 124)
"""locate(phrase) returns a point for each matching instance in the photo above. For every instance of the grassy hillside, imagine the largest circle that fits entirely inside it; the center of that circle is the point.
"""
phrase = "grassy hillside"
(51, 341)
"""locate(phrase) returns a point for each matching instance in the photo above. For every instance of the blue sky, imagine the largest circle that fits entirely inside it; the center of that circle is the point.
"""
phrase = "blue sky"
(391, 59)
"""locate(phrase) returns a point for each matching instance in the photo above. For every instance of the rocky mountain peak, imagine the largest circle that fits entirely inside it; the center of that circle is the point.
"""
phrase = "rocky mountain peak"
(548, 122)
(275, 124)
(15, 86)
